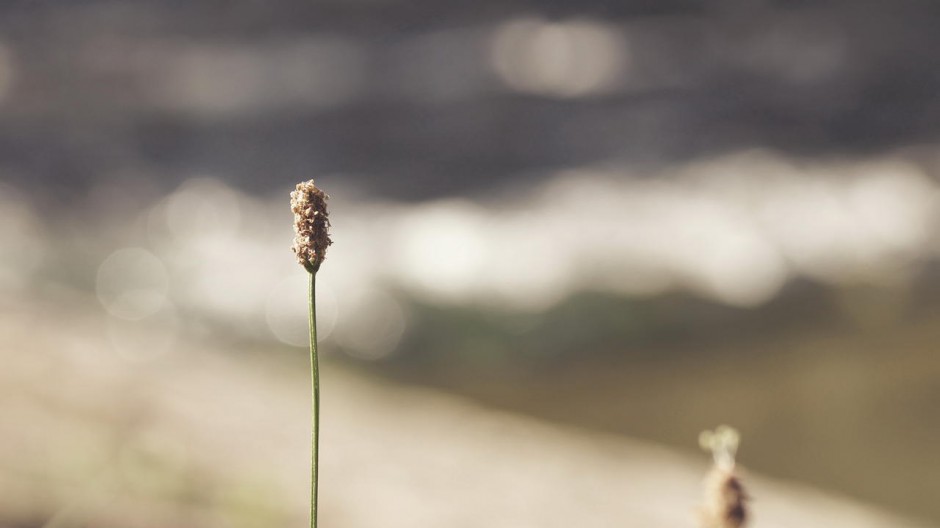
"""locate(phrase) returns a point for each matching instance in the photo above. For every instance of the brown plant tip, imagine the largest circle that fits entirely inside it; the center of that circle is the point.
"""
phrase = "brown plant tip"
(311, 225)
(725, 500)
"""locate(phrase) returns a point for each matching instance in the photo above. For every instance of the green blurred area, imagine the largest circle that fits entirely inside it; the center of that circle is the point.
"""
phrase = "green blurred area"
(841, 394)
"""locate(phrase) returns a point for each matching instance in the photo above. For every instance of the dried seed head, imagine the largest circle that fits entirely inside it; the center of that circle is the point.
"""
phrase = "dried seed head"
(311, 225)
(722, 443)
(725, 498)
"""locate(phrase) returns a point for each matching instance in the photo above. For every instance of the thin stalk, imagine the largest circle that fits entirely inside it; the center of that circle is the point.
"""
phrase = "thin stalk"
(315, 378)
(311, 227)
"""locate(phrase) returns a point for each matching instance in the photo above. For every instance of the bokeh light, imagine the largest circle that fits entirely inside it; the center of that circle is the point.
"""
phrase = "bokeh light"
(215, 80)
(372, 326)
(132, 284)
(288, 324)
(565, 59)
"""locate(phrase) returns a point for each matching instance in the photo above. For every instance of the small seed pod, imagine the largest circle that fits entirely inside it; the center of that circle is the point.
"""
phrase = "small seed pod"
(725, 497)
(311, 225)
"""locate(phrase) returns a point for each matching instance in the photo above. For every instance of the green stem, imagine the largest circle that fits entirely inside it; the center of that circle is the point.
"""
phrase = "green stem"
(315, 377)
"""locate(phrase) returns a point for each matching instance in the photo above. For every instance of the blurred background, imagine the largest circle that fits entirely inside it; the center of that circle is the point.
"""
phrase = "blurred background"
(568, 237)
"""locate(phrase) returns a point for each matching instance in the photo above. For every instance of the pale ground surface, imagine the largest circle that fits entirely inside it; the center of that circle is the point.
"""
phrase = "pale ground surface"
(195, 437)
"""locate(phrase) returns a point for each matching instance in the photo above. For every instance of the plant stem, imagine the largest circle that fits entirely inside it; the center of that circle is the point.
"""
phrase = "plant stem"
(315, 378)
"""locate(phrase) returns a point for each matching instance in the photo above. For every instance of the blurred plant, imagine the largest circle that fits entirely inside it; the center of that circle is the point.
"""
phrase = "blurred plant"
(311, 226)
(725, 496)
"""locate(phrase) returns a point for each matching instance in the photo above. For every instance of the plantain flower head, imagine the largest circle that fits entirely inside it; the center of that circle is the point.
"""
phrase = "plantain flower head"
(725, 497)
(311, 225)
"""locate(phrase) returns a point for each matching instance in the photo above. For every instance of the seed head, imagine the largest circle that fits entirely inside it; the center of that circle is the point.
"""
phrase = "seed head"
(725, 498)
(311, 225)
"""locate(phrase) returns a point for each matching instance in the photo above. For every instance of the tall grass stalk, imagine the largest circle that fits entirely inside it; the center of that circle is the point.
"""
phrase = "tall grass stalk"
(311, 239)
(315, 380)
